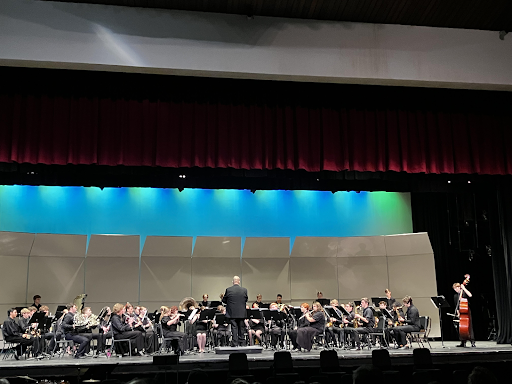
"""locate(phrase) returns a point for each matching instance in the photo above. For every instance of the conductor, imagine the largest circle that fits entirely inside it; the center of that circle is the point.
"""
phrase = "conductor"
(235, 299)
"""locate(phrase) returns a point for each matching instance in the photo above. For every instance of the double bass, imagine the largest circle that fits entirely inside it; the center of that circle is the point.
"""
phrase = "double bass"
(464, 317)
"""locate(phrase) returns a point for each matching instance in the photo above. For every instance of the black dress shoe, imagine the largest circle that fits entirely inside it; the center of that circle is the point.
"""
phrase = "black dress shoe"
(473, 345)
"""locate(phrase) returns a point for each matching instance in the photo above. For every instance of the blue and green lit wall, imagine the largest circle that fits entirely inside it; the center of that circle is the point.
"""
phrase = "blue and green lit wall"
(202, 212)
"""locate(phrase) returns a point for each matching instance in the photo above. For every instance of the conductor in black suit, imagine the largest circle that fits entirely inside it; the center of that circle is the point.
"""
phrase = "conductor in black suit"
(235, 299)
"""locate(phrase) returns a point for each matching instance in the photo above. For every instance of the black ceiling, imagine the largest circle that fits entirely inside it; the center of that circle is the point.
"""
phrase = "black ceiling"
(493, 15)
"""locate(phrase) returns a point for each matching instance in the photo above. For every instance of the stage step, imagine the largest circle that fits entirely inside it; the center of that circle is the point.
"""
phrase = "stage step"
(249, 350)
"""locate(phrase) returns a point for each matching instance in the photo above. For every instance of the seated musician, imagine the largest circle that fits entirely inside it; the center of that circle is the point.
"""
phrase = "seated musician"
(255, 328)
(367, 323)
(258, 300)
(13, 333)
(221, 331)
(49, 335)
(31, 329)
(87, 331)
(348, 325)
(124, 330)
(381, 325)
(70, 333)
(205, 303)
(276, 329)
(410, 323)
(316, 326)
(169, 322)
(146, 327)
(201, 328)
(301, 323)
(105, 330)
(334, 328)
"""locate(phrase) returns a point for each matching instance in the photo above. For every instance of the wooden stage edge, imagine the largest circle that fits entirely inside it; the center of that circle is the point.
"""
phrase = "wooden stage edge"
(486, 351)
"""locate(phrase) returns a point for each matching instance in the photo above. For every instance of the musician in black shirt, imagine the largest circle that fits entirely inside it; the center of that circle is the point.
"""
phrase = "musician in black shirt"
(123, 330)
(461, 292)
(389, 299)
(169, 323)
(276, 329)
(367, 320)
(316, 326)
(70, 333)
(37, 302)
(221, 332)
(205, 303)
(258, 301)
(302, 322)
(411, 323)
(13, 333)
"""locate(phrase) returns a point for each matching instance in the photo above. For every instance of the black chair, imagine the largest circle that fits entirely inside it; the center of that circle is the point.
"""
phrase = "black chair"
(422, 335)
(239, 367)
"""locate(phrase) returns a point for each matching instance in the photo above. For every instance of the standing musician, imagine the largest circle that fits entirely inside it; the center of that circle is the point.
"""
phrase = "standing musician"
(255, 328)
(316, 326)
(461, 292)
(258, 301)
(411, 323)
(319, 295)
(302, 322)
(334, 326)
(169, 321)
(37, 302)
(13, 333)
(201, 329)
(367, 320)
(390, 300)
(68, 327)
(235, 298)
(124, 330)
(205, 303)
(221, 333)
(279, 299)
(276, 329)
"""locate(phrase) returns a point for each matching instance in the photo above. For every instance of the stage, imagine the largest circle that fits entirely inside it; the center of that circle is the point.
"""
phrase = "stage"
(486, 352)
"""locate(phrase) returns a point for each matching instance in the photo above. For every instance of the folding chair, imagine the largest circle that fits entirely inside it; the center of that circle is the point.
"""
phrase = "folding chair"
(422, 335)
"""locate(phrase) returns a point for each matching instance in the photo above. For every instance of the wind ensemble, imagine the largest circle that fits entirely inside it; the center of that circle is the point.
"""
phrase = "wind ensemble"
(194, 326)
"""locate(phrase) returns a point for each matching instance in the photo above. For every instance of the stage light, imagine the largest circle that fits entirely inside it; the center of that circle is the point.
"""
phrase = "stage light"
(183, 176)
(469, 182)
(449, 182)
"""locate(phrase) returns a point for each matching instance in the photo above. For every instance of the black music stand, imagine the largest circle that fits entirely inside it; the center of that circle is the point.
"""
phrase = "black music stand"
(324, 302)
(332, 313)
(357, 303)
(377, 300)
(18, 309)
(208, 315)
(440, 302)
(215, 304)
(264, 305)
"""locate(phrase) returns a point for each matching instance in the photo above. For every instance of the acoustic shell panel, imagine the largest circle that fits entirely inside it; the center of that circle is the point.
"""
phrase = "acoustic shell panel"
(56, 279)
(315, 247)
(267, 277)
(13, 276)
(212, 246)
(165, 278)
(16, 243)
(312, 274)
(361, 246)
(266, 247)
(114, 246)
(362, 276)
(413, 275)
(48, 244)
(408, 244)
(179, 246)
(112, 279)
(213, 275)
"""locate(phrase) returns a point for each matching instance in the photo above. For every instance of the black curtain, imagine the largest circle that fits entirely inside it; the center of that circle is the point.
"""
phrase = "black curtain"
(502, 264)
(464, 231)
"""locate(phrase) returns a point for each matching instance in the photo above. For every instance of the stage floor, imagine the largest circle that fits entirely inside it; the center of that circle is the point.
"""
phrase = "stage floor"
(67, 366)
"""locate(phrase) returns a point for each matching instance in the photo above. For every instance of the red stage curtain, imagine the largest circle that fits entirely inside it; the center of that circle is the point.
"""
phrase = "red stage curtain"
(73, 117)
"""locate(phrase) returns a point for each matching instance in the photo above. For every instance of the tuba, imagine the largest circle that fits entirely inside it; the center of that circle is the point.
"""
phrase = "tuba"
(79, 301)
(186, 303)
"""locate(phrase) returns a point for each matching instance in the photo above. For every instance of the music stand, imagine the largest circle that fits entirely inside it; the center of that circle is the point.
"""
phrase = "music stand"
(440, 302)
(18, 309)
(324, 302)
(264, 305)
(215, 304)
(377, 300)
(357, 303)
